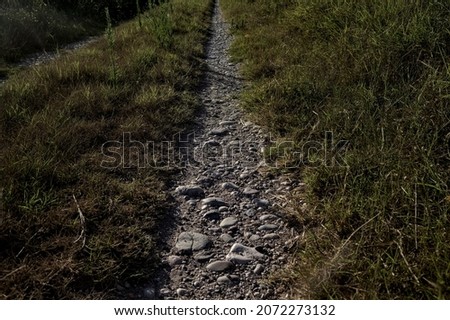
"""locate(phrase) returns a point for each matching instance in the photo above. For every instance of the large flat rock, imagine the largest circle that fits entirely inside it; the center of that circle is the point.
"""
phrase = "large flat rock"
(192, 241)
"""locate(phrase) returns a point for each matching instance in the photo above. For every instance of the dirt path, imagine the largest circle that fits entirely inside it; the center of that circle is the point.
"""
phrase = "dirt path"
(230, 234)
(38, 58)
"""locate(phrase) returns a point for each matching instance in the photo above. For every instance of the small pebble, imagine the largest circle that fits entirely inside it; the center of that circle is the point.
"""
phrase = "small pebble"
(258, 269)
(182, 292)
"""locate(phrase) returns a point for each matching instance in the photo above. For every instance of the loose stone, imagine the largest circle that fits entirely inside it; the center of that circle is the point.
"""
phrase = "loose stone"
(190, 191)
(199, 241)
(258, 269)
(182, 292)
(227, 123)
(235, 143)
(250, 212)
(271, 236)
(191, 241)
(228, 222)
(254, 237)
(174, 260)
(219, 131)
(267, 217)
(214, 202)
(212, 214)
(203, 257)
(224, 280)
(229, 186)
(268, 227)
(226, 238)
(219, 266)
(262, 203)
(244, 175)
(165, 292)
(223, 209)
(234, 277)
(192, 202)
(241, 254)
(249, 191)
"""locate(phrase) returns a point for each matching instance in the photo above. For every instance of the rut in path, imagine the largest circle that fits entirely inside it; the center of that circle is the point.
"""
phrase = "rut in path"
(230, 233)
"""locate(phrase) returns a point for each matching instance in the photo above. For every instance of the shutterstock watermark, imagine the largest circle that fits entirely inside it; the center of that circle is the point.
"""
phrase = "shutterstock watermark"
(186, 150)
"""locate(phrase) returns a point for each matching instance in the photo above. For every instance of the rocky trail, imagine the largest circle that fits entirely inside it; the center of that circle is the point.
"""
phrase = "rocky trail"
(230, 234)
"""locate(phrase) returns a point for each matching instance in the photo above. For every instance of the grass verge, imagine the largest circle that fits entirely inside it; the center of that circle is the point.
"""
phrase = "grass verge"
(54, 120)
(375, 74)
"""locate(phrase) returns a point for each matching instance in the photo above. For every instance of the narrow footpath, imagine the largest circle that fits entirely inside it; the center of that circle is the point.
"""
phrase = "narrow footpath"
(230, 235)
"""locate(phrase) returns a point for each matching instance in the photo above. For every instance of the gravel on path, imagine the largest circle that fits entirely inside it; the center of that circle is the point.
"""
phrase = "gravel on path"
(230, 233)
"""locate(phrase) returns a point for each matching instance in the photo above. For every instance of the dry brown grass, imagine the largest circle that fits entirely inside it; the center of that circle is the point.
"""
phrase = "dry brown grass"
(54, 119)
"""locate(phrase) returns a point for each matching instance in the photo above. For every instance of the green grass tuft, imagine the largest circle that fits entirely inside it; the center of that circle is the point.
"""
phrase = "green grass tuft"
(377, 75)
